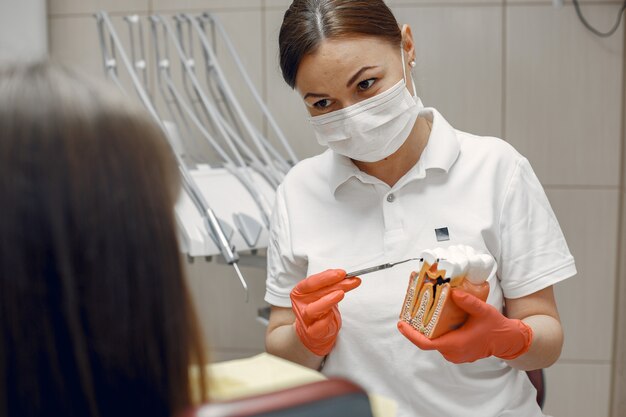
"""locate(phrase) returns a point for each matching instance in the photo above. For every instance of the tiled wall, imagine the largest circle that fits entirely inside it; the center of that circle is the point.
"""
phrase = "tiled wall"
(519, 69)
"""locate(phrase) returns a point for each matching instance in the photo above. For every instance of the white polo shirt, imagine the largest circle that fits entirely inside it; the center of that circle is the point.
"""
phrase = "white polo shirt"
(470, 190)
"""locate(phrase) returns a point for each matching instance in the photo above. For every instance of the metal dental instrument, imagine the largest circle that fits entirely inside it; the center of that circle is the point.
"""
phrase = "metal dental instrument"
(380, 267)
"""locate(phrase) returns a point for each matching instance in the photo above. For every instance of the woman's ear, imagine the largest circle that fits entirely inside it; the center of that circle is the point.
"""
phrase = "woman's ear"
(407, 42)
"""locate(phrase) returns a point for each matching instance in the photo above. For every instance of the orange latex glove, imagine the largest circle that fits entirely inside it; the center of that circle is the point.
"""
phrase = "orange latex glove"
(314, 302)
(485, 333)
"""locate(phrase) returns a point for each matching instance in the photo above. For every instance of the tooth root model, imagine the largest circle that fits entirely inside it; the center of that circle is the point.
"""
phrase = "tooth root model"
(428, 307)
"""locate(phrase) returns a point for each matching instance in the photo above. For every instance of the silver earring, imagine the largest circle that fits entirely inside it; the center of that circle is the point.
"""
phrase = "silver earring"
(412, 64)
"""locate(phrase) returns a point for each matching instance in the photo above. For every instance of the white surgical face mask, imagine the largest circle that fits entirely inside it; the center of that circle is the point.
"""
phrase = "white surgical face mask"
(372, 129)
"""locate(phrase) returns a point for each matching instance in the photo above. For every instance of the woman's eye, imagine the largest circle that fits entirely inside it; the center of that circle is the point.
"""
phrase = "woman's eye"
(322, 104)
(366, 84)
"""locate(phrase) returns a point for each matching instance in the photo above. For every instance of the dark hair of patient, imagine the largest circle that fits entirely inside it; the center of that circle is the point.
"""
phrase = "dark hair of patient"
(95, 315)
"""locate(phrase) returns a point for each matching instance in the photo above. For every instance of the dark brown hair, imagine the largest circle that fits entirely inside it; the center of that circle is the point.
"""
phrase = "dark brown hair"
(308, 22)
(95, 315)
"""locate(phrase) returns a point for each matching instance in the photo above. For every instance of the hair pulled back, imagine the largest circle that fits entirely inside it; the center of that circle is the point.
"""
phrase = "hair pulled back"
(309, 22)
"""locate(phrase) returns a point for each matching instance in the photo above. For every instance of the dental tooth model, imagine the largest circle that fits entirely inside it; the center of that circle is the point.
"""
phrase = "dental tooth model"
(428, 306)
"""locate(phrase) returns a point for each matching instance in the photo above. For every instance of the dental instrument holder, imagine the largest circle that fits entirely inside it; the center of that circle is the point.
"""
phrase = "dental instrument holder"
(210, 219)
(237, 166)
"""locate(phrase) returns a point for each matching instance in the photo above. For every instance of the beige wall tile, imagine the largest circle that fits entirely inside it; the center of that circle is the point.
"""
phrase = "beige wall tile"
(563, 94)
(619, 369)
(624, 122)
(246, 33)
(278, 3)
(589, 220)
(176, 5)
(458, 3)
(285, 104)
(577, 390)
(459, 63)
(232, 354)
(229, 323)
(56, 7)
(74, 42)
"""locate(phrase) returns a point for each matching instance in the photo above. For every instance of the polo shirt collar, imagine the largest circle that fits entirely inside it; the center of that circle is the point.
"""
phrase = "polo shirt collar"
(443, 147)
(440, 152)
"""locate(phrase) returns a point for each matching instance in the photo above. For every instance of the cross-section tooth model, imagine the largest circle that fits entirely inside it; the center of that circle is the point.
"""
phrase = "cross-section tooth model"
(428, 306)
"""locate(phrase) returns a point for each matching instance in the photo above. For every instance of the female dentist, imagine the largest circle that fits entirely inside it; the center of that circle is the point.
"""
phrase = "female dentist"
(399, 179)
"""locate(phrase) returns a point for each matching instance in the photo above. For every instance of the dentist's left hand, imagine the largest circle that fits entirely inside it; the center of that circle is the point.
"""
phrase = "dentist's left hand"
(314, 302)
(485, 333)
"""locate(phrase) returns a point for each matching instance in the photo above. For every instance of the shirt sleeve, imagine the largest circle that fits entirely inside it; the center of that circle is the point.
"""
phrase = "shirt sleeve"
(534, 253)
(284, 269)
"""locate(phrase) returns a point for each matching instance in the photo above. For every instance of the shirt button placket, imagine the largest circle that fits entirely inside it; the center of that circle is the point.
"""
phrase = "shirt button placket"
(393, 222)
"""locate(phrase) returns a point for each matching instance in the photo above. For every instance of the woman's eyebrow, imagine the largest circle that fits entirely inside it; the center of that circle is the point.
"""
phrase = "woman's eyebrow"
(358, 73)
(314, 95)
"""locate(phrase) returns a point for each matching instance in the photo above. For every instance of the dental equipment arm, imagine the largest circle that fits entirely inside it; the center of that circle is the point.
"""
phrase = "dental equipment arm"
(225, 87)
(211, 222)
(238, 169)
(240, 66)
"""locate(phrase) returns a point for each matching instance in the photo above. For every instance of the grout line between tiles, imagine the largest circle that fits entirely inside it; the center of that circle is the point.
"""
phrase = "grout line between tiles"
(265, 7)
(583, 362)
(264, 50)
(163, 11)
(577, 187)
(447, 4)
(504, 79)
(417, 5)
(566, 3)
(91, 14)
(476, 4)
(619, 338)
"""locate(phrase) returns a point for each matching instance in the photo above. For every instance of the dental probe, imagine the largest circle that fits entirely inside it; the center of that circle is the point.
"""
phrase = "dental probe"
(380, 267)
(228, 251)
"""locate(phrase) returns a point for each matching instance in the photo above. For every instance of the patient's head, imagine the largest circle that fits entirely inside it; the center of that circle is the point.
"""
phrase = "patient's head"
(95, 316)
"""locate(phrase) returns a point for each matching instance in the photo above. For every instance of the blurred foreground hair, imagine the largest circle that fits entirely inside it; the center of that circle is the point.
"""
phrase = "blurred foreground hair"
(95, 315)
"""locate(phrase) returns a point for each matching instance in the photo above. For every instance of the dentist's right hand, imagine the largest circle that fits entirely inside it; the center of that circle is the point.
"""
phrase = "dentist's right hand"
(314, 302)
